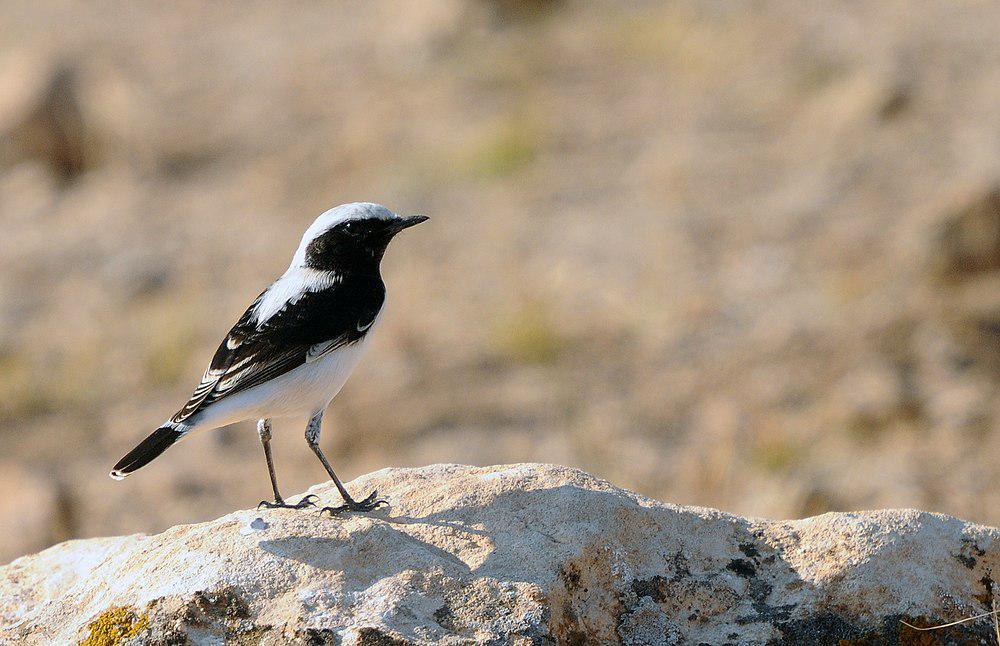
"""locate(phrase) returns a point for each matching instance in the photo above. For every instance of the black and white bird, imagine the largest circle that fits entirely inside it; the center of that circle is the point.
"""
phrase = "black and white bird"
(294, 348)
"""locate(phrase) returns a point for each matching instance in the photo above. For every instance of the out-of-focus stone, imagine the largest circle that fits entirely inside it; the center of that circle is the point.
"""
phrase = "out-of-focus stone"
(29, 512)
(969, 235)
(42, 119)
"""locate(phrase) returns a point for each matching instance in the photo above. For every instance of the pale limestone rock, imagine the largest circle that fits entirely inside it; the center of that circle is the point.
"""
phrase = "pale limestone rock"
(523, 554)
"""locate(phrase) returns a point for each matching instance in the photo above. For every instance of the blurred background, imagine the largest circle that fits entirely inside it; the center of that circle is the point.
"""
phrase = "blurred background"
(743, 255)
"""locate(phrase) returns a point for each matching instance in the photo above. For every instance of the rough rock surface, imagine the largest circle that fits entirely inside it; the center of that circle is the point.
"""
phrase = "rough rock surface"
(509, 554)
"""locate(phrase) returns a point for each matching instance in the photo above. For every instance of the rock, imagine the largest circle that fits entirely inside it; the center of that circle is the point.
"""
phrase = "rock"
(524, 554)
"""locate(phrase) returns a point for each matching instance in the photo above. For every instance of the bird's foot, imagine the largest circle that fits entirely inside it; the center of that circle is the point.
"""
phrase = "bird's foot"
(370, 503)
(307, 501)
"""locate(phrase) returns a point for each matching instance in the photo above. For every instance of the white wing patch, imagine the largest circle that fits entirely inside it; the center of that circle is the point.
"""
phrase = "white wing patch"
(295, 283)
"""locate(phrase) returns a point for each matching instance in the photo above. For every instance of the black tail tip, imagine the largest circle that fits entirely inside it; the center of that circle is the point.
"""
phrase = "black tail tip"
(158, 441)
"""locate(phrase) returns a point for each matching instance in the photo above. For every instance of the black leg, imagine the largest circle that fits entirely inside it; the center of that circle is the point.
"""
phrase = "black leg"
(264, 430)
(350, 504)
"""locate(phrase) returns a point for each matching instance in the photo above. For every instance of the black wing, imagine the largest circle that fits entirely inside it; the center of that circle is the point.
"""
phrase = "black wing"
(303, 330)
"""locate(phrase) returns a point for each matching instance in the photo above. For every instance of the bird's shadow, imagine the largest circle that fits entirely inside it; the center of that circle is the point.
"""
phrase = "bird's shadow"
(328, 553)
(388, 545)
(435, 520)
(387, 537)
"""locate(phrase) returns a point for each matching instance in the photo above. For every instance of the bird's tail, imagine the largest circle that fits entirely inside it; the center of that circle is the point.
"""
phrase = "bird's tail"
(158, 441)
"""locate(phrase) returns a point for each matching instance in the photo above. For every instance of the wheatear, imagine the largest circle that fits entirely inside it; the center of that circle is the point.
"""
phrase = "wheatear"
(294, 348)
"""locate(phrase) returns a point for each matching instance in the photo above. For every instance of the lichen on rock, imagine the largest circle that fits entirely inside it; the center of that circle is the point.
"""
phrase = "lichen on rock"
(114, 626)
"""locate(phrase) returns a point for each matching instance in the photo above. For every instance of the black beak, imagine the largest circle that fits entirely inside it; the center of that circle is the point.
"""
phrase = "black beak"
(407, 222)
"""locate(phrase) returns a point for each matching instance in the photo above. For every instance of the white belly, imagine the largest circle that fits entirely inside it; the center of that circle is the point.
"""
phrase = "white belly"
(305, 390)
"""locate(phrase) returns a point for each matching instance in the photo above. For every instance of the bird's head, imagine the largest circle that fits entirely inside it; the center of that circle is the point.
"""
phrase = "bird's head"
(351, 237)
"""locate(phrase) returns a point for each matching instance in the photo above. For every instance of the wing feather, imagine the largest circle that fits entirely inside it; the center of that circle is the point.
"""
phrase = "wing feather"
(307, 328)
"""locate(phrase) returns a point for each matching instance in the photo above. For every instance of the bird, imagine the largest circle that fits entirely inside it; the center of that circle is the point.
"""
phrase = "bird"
(295, 346)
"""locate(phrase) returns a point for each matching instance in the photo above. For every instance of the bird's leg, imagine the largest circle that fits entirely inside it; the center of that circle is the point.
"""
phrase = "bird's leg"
(350, 504)
(264, 430)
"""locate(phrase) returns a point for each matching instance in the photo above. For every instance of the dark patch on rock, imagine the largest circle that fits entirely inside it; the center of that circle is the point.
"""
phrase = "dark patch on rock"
(567, 624)
(759, 590)
(986, 596)
(318, 637)
(654, 588)
(445, 618)
(742, 568)
(570, 575)
(681, 569)
(206, 607)
(895, 632)
(257, 635)
(221, 611)
(967, 555)
(658, 587)
(574, 638)
(830, 628)
(818, 629)
(371, 636)
(749, 550)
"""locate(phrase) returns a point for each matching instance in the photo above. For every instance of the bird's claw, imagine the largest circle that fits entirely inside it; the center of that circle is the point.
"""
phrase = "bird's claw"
(370, 503)
(307, 501)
